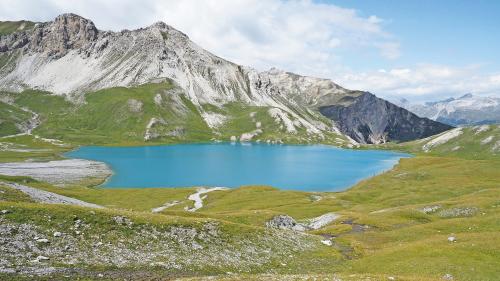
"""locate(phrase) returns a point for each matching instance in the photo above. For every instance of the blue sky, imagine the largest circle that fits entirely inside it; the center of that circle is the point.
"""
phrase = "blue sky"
(416, 49)
(447, 32)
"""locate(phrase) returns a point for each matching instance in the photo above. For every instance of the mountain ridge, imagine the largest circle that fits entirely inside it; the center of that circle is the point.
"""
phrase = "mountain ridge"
(70, 56)
(465, 110)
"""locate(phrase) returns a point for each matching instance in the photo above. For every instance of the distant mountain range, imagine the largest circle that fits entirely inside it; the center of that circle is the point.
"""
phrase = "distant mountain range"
(465, 110)
(71, 57)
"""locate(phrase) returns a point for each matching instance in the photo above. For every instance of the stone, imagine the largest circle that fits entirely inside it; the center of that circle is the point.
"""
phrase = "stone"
(134, 105)
(452, 239)
(4, 212)
(42, 240)
(448, 277)
(430, 209)
(57, 234)
(122, 220)
(42, 258)
(233, 138)
(327, 242)
(282, 222)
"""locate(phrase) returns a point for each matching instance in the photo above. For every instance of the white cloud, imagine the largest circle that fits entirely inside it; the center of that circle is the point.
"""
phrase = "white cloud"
(299, 35)
(424, 81)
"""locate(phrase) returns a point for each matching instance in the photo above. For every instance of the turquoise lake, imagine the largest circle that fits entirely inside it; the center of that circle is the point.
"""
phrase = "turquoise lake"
(297, 167)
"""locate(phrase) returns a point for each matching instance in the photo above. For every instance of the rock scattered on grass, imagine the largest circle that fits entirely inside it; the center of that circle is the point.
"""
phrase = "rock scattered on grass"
(315, 197)
(122, 220)
(42, 258)
(4, 212)
(452, 239)
(447, 276)
(283, 222)
(57, 234)
(458, 212)
(430, 209)
(327, 242)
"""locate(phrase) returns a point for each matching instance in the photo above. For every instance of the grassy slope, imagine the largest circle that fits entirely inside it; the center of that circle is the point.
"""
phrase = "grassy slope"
(9, 117)
(470, 144)
(107, 118)
(7, 27)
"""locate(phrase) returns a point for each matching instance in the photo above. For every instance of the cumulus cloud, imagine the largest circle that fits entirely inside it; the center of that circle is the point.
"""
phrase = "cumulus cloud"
(302, 36)
(424, 81)
(299, 35)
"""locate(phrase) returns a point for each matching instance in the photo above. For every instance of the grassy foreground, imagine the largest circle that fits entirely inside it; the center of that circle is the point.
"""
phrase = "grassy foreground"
(394, 225)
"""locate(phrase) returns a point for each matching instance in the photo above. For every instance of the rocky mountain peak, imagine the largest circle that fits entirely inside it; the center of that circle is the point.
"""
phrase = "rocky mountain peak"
(66, 32)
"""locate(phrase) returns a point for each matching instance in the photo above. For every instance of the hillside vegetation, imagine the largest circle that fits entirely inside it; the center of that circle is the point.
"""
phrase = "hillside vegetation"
(8, 27)
(149, 114)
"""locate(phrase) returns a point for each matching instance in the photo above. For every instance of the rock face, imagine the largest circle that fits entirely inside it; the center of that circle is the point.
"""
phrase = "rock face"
(71, 56)
(368, 119)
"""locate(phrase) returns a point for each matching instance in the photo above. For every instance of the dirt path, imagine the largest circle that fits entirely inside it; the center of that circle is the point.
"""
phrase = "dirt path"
(47, 197)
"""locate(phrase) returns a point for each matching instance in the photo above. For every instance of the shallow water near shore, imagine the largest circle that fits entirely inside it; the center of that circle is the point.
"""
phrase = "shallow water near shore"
(295, 167)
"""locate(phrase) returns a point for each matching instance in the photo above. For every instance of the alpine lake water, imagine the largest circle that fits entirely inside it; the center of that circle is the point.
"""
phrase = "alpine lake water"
(292, 167)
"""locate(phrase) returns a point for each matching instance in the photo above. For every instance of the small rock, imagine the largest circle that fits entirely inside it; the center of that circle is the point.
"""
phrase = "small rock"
(281, 222)
(100, 275)
(315, 197)
(447, 276)
(391, 278)
(77, 232)
(452, 239)
(3, 212)
(233, 139)
(327, 242)
(122, 220)
(42, 258)
(42, 240)
(57, 234)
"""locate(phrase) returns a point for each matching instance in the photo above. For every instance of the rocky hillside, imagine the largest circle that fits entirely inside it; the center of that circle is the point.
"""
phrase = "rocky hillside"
(465, 110)
(367, 118)
(476, 142)
(70, 56)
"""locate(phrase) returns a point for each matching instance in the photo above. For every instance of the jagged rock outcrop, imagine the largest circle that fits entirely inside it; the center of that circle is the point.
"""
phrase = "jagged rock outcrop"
(71, 56)
(368, 119)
